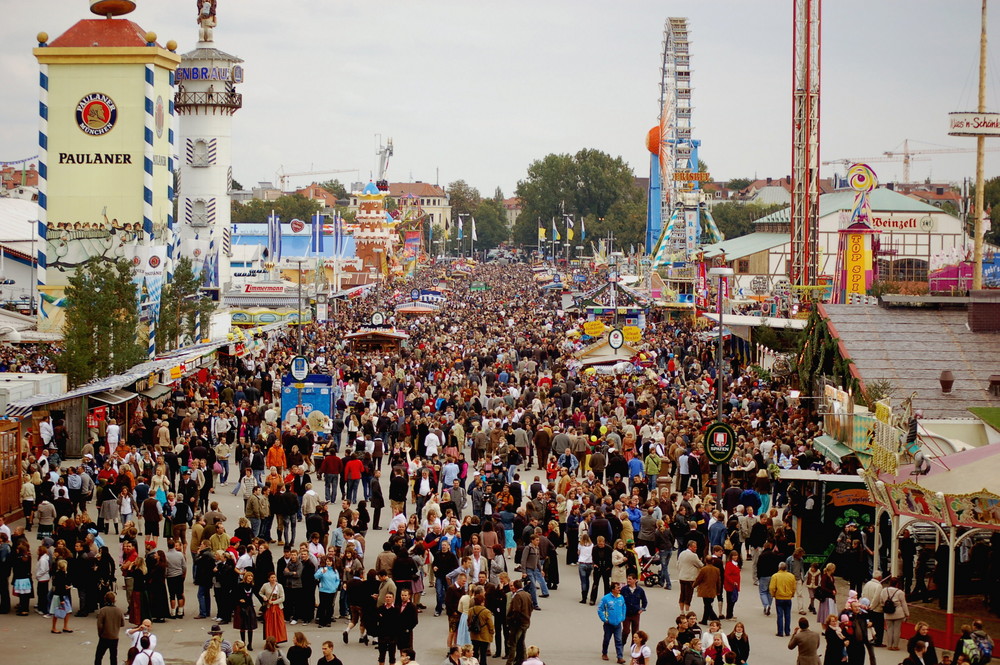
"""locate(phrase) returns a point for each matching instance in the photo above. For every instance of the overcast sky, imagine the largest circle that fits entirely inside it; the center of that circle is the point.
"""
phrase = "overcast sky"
(478, 89)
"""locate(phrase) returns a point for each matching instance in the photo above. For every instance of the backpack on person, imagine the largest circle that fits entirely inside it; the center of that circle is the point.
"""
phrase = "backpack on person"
(889, 606)
(971, 650)
(475, 624)
(985, 647)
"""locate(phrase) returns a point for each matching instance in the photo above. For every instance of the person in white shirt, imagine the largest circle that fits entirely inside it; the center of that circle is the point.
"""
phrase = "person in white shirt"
(113, 435)
(45, 430)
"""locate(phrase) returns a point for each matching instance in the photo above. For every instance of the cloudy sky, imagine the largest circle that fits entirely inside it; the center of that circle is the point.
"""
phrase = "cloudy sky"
(479, 89)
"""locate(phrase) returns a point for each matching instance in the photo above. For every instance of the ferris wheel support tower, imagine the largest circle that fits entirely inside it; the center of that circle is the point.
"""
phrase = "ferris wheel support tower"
(803, 266)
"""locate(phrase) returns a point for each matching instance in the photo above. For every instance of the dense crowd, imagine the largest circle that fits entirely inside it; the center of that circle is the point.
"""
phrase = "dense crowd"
(29, 358)
(494, 462)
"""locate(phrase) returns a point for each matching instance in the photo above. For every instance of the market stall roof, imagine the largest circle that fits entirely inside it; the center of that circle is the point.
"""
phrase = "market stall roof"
(959, 473)
(601, 353)
(156, 392)
(911, 347)
(375, 332)
(754, 321)
(417, 308)
(112, 397)
(743, 246)
(831, 448)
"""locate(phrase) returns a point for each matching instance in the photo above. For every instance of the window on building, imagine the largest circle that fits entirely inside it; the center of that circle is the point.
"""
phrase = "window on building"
(199, 155)
(743, 266)
(199, 213)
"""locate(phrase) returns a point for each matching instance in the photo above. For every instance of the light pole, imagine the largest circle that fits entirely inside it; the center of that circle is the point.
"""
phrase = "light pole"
(722, 273)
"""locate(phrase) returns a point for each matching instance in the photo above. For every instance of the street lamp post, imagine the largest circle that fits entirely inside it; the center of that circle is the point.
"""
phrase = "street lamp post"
(722, 273)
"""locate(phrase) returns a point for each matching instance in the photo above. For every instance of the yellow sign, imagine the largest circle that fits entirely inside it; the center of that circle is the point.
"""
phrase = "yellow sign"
(858, 262)
(593, 328)
(685, 176)
(633, 334)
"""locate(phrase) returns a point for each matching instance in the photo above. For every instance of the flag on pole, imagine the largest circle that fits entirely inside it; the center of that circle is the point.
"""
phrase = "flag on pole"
(583, 229)
(541, 233)
(475, 236)
(555, 231)
(336, 234)
(569, 227)
(317, 234)
(461, 236)
(274, 237)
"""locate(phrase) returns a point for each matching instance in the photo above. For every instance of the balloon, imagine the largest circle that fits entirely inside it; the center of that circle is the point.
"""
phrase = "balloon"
(604, 429)
(593, 438)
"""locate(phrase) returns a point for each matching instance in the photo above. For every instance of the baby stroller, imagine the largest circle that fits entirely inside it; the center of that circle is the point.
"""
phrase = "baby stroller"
(647, 575)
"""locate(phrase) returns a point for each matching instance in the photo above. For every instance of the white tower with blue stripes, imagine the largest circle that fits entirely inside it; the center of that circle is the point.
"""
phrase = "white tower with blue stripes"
(206, 99)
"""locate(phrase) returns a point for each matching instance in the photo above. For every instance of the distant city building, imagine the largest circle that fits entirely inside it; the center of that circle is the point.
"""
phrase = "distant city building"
(512, 207)
(12, 177)
(316, 193)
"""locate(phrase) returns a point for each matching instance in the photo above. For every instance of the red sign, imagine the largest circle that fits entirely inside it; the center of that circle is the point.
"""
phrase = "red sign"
(297, 225)
(97, 415)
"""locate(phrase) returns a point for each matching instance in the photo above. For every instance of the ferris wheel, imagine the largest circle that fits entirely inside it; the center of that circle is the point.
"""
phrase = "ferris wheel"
(675, 109)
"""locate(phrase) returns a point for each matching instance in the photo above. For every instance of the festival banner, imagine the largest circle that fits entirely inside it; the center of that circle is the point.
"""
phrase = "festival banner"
(980, 509)
(911, 499)
(411, 250)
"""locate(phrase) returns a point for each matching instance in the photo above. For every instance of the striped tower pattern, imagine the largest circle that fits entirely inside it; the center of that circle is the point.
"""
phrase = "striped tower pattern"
(147, 192)
(170, 170)
(43, 170)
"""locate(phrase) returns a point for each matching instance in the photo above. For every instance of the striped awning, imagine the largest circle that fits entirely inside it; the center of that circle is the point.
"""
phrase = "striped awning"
(18, 411)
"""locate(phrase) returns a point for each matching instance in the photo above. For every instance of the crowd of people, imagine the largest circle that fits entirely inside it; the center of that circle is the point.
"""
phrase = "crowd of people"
(29, 358)
(494, 462)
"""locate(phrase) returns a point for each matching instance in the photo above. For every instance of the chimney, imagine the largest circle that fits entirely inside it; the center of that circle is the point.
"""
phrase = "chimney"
(768, 181)
(940, 191)
(984, 311)
(788, 179)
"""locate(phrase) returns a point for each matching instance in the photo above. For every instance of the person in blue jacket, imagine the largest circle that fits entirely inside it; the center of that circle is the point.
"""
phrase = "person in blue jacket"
(329, 583)
(611, 611)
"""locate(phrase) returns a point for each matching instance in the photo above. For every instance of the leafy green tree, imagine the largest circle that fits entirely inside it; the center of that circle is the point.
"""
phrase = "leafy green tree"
(463, 198)
(182, 307)
(102, 317)
(335, 187)
(287, 207)
(491, 224)
(991, 199)
(736, 219)
(590, 184)
(739, 183)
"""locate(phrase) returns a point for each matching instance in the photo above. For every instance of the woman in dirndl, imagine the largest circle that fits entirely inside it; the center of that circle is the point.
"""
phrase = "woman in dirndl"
(272, 595)
(21, 569)
(60, 605)
(245, 616)
(134, 572)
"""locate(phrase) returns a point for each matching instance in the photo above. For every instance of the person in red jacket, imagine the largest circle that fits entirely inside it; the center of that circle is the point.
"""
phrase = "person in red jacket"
(353, 469)
(330, 470)
(731, 581)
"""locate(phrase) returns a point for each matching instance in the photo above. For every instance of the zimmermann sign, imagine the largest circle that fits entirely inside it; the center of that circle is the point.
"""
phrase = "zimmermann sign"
(973, 124)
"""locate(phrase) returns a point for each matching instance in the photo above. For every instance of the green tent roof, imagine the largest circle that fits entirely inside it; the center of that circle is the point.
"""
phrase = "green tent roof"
(882, 200)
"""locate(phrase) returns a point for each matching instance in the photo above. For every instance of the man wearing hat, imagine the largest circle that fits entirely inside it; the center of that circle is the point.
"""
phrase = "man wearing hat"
(225, 646)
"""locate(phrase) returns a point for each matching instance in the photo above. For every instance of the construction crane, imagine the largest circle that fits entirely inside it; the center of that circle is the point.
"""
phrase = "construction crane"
(283, 177)
(907, 156)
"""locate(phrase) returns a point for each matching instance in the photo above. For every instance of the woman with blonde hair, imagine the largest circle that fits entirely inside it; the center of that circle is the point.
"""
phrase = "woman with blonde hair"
(213, 653)
(240, 655)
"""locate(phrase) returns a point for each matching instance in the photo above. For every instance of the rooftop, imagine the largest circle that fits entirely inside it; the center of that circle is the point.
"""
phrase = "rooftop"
(101, 32)
(911, 347)
(424, 189)
(748, 245)
(881, 200)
